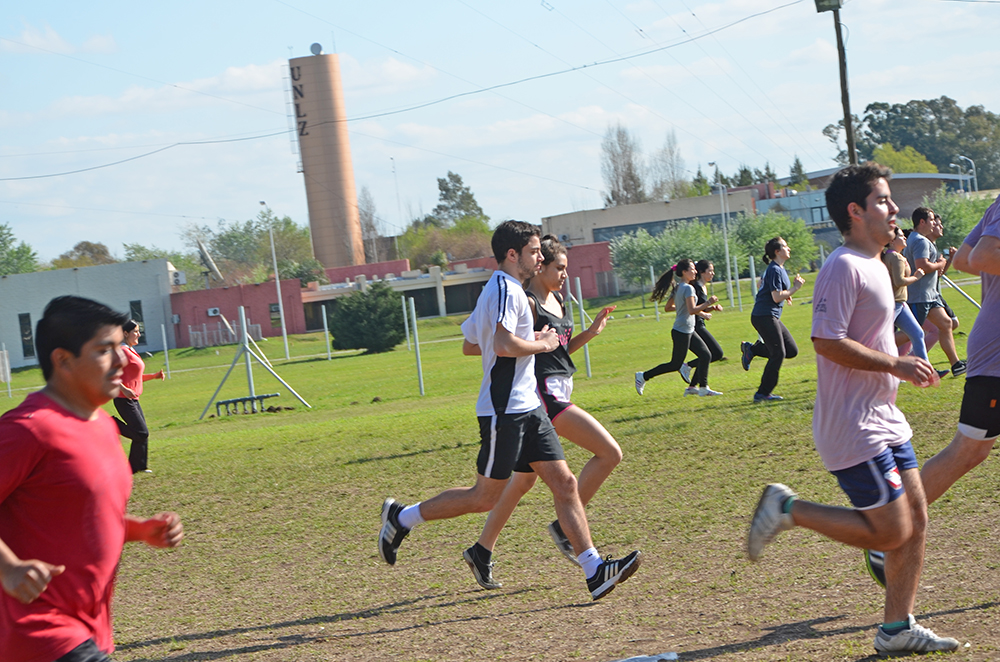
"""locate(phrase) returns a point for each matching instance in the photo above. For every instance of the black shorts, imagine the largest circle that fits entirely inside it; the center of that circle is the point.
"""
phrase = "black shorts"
(923, 308)
(85, 652)
(980, 414)
(947, 308)
(511, 442)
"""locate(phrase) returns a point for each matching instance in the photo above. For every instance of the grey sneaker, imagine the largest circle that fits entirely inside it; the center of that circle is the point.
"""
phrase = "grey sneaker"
(562, 542)
(875, 564)
(640, 382)
(691, 390)
(768, 520)
(685, 371)
(482, 571)
(915, 639)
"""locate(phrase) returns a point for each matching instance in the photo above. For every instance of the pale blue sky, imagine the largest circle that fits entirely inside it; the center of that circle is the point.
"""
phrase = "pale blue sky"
(87, 85)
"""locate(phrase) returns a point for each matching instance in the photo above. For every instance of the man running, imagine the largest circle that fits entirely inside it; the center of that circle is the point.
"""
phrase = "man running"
(64, 486)
(514, 430)
(860, 434)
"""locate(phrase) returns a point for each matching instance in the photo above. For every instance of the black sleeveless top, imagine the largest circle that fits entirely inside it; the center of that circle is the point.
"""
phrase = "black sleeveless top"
(699, 298)
(558, 361)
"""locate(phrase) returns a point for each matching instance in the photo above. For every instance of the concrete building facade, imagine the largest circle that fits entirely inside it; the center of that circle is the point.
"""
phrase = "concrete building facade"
(142, 289)
(321, 125)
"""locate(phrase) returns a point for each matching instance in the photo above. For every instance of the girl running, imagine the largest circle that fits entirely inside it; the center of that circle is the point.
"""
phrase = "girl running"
(680, 278)
(554, 374)
(776, 342)
(899, 273)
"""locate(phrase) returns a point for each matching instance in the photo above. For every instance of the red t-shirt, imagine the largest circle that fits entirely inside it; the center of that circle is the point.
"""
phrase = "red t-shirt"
(132, 376)
(64, 486)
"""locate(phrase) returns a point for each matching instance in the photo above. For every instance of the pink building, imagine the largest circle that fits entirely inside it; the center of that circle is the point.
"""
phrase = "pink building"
(202, 309)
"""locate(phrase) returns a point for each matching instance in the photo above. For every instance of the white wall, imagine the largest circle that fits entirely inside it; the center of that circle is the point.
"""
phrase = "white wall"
(114, 285)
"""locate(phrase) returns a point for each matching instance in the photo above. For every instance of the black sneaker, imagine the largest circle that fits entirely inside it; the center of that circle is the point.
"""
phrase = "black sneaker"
(392, 532)
(482, 571)
(958, 368)
(942, 373)
(746, 355)
(562, 542)
(611, 573)
(875, 564)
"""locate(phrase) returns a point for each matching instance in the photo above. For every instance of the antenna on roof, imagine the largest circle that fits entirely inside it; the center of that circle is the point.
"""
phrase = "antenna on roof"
(209, 263)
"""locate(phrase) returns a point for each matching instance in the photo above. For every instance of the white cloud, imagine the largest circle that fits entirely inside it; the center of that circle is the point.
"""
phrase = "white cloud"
(100, 44)
(381, 77)
(33, 39)
(820, 52)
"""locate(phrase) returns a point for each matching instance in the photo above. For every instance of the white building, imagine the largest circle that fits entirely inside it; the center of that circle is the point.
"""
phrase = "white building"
(141, 289)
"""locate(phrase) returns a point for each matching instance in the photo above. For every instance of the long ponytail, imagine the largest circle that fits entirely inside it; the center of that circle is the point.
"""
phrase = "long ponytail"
(669, 280)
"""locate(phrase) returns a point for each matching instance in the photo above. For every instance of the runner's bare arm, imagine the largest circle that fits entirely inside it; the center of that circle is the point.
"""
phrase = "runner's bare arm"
(25, 580)
(161, 530)
(852, 354)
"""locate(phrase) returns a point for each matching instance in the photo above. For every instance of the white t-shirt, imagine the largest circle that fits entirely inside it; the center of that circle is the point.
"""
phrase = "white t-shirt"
(508, 383)
(856, 416)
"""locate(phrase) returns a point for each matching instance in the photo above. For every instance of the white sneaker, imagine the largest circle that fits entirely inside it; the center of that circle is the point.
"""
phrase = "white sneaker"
(769, 519)
(691, 390)
(640, 382)
(915, 639)
(685, 371)
(704, 390)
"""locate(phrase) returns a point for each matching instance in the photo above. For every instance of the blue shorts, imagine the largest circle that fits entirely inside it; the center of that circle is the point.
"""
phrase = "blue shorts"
(875, 483)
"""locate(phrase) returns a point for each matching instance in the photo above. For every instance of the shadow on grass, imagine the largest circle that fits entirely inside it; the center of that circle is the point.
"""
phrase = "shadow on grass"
(396, 456)
(288, 641)
(781, 634)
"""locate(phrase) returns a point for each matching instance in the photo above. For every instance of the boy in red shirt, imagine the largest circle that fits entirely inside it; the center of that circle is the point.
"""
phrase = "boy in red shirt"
(64, 486)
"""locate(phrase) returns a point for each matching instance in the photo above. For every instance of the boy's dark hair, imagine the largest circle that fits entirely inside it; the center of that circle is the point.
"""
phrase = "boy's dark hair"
(921, 215)
(512, 234)
(852, 184)
(69, 322)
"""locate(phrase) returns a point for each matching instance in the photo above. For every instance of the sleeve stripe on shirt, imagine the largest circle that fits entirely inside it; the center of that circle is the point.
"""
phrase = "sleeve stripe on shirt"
(502, 298)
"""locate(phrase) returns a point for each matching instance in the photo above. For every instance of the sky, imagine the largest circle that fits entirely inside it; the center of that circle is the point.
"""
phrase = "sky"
(125, 123)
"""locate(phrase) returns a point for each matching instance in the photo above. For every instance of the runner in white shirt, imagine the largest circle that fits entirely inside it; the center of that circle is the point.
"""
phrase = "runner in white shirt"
(515, 432)
(860, 434)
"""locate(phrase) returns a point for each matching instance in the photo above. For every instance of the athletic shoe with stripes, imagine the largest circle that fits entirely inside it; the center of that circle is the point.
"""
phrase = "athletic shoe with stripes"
(914, 639)
(392, 532)
(691, 390)
(769, 519)
(482, 571)
(958, 369)
(611, 573)
(562, 542)
(640, 382)
(685, 372)
(875, 564)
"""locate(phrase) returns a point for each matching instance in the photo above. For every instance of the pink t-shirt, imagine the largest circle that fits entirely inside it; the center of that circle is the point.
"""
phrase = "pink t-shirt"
(855, 417)
(64, 486)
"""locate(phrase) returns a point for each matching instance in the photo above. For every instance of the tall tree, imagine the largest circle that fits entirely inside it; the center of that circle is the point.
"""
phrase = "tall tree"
(15, 258)
(84, 254)
(621, 168)
(667, 171)
(797, 174)
(699, 185)
(904, 160)
(744, 176)
(455, 201)
(370, 232)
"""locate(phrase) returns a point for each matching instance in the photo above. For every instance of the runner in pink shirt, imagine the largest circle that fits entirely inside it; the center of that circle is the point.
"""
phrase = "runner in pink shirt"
(860, 434)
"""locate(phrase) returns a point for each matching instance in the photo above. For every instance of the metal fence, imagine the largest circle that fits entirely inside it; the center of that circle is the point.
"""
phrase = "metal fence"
(221, 335)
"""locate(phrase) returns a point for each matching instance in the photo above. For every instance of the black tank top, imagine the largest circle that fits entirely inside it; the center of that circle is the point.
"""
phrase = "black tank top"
(558, 361)
(700, 298)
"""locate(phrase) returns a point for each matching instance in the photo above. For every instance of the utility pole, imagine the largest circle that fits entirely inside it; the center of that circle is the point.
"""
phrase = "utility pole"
(845, 99)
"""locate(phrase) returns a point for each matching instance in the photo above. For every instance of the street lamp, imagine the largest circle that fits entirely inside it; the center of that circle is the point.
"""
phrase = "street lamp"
(975, 175)
(961, 184)
(724, 201)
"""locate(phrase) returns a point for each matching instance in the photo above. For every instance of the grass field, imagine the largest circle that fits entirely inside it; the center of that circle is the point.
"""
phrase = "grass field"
(282, 511)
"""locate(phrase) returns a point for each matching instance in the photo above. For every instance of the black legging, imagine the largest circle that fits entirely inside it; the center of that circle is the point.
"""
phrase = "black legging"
(778, 345)
(133, 426)
(682, 343)
(713, 346)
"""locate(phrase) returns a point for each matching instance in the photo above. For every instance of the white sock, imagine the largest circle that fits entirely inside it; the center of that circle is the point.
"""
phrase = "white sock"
(590, 561)
(409, 516)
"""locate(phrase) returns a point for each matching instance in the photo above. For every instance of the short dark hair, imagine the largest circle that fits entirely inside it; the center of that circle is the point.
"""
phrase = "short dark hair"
(512, 234)
(921, 214)
(852, 184)
(69, 322)
(130, 326)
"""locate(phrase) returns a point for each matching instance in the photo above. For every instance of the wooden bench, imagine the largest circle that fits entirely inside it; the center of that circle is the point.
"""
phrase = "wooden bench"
(256, 404)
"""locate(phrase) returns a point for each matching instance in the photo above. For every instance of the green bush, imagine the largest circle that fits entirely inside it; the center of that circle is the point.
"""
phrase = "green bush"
(371, 320)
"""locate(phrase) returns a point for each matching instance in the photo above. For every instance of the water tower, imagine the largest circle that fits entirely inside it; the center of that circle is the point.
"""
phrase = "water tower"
(321, 125)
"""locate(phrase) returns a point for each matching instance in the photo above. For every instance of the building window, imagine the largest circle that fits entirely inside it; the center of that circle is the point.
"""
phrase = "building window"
(275, 316)
(135, 312)
(27, 339)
